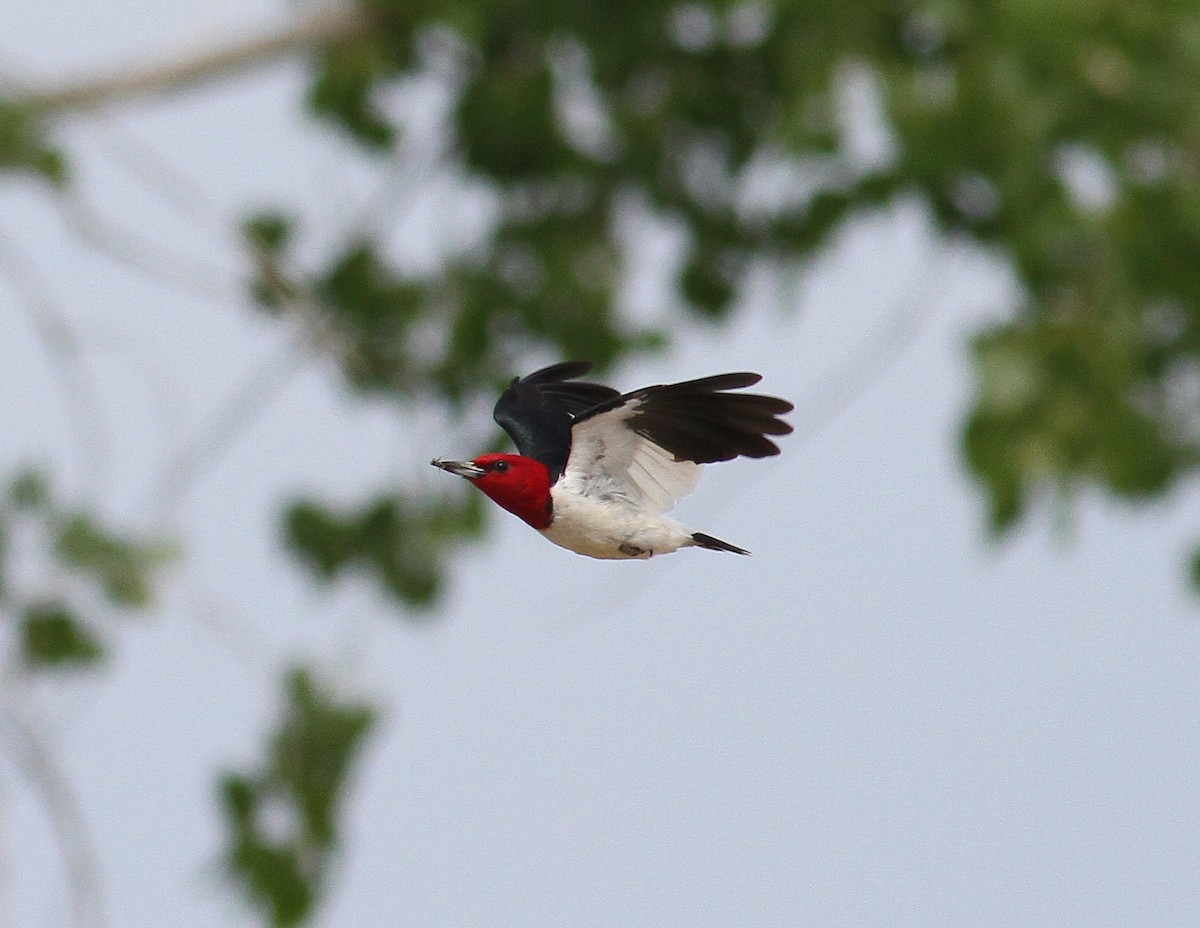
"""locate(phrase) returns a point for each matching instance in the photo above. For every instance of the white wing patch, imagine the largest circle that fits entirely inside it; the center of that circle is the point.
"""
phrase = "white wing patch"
(608, 458)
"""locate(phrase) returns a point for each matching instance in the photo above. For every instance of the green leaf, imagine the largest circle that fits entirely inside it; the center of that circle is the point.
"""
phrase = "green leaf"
(270, 231)
(269, 235)
(312, 752)
(270, 873)
(238, 797)
(29, 490)
(707, 285)
(1060, 403)
(1195, 569)
(52, 637)
(347, 77)
(507, 120)
(397, 540)
(323, 541)
(124, 569)
(281, 865)
(369, 301)
(23, 146)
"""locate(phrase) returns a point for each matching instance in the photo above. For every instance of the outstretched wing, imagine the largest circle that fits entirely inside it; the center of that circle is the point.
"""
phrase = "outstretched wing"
(647, 446)
(537, 411)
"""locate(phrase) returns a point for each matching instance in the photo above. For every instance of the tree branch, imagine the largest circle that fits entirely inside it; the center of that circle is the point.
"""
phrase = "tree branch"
(59, 342)
(41, 768)
(333, 23)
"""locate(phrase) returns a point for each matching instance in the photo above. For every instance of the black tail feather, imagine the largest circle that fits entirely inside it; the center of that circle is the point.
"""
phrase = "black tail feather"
(715, 544)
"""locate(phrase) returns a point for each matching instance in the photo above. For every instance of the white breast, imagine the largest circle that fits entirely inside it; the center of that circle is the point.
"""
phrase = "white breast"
(609, 527)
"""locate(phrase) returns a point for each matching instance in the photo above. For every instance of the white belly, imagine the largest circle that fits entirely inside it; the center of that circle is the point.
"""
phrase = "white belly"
(611, 530)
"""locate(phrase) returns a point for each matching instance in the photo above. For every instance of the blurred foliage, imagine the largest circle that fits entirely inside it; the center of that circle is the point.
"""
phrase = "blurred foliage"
(365, 297)
(1057, 402)
(23, 146)
(121, 568)
(1064, 136)
(51, 636)
(401, 541)
(282, 819)
(93, 570)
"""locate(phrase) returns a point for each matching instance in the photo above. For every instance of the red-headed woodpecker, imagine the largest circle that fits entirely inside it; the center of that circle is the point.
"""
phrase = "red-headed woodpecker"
(597, 468)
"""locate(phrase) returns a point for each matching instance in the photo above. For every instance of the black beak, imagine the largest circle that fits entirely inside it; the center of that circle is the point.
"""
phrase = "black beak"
(462, 468)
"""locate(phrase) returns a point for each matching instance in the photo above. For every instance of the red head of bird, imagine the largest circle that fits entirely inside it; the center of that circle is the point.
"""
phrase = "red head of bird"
(519, 484)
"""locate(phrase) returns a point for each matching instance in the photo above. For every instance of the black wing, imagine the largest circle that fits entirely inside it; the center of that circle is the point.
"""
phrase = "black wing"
(697, 421)
(537, 411)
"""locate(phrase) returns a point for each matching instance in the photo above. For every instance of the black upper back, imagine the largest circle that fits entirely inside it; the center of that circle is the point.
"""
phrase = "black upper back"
(537, 411)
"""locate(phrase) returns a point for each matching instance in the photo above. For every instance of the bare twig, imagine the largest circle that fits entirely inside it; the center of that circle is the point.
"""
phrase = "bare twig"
(142, 254)
(175, 189)
(61, 347)
(229, 422)
(44, 774)
(178, 70)
(147, 164)
(875, 355)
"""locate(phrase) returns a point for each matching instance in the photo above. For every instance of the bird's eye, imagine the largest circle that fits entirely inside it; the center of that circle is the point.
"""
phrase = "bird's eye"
(500, 466)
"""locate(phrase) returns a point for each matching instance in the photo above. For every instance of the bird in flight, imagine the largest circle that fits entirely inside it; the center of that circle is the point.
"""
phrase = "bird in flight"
(597, 469)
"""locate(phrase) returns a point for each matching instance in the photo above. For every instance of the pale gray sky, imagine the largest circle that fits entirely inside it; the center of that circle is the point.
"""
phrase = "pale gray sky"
(878, 719)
